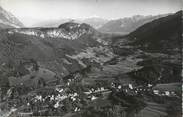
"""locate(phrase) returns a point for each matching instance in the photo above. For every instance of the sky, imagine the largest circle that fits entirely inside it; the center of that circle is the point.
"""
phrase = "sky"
(34, 11)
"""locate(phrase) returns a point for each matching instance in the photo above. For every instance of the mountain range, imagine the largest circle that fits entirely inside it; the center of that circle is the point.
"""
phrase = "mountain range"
(128, 24)
(94, 22)
(119, 26)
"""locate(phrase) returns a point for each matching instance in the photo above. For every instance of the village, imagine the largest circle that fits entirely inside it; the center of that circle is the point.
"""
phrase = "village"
(58, 98)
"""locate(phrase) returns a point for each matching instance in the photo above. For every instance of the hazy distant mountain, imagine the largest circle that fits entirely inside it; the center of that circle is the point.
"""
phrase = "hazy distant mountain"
(94, 22)
(7, 20)
(51, 23)
(127, 25)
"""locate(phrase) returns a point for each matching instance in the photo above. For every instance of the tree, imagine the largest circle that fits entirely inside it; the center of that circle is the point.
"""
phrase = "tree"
(35, 64)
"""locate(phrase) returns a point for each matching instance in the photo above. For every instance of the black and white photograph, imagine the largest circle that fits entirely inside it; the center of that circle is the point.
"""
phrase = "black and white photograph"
(91, 58)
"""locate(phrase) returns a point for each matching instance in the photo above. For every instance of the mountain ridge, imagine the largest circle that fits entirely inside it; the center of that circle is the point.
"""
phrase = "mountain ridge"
(128, 24)
(8, 20)
(94, 22)
(67, 30)
(161, 34)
